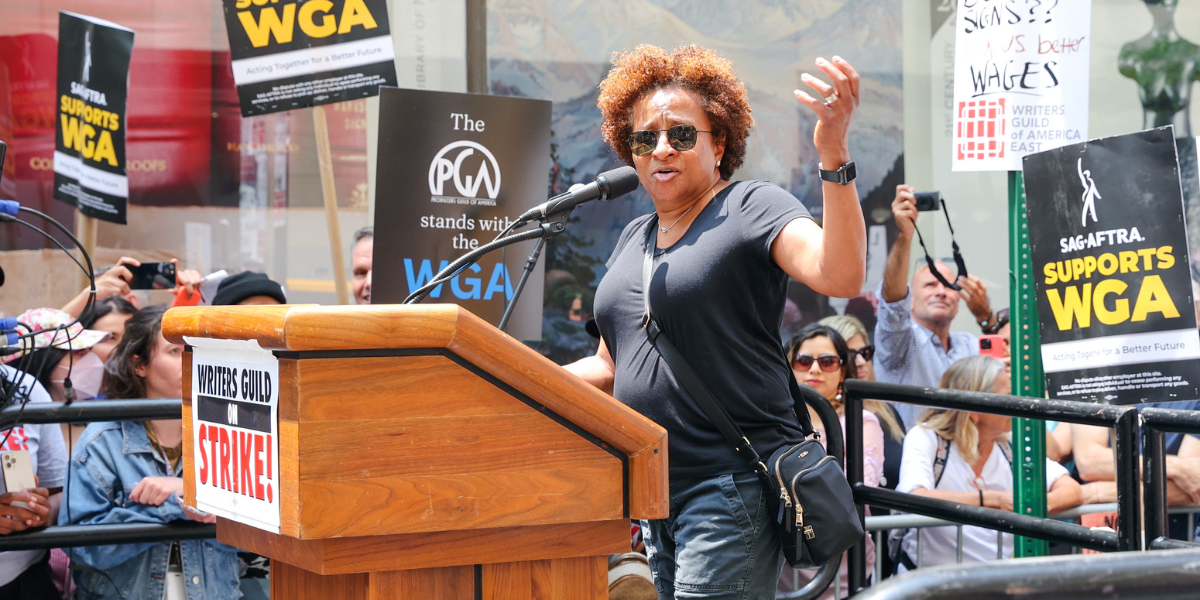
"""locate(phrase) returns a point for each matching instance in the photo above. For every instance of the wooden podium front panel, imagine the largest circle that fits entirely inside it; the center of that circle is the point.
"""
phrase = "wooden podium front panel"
(582, 578)
(419, 443)
(340, 556)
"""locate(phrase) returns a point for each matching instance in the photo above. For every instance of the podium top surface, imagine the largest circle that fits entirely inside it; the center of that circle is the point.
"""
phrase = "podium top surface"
(305, 327)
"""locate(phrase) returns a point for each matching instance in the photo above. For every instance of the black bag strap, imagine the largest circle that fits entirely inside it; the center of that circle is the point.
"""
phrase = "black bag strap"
(939, 460)
(943, 453)
(691, 381)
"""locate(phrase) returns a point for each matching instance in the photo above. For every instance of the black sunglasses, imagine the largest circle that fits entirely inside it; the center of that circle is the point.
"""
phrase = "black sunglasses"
(681, 137)
(829, 362)
(867, 352)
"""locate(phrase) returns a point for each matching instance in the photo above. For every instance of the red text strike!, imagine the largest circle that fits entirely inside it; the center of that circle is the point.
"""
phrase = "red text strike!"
(241, 461)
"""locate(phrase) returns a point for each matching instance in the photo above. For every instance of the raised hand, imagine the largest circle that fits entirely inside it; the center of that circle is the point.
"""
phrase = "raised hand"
(834, 107)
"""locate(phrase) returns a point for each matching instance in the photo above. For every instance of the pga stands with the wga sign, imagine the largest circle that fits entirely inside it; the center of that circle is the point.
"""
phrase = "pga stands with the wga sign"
(369, 497)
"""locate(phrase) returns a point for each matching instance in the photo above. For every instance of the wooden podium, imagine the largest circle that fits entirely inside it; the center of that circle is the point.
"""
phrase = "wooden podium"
(425, 455)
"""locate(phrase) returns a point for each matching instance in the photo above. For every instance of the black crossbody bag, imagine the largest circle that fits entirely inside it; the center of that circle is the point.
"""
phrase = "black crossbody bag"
(806, 489)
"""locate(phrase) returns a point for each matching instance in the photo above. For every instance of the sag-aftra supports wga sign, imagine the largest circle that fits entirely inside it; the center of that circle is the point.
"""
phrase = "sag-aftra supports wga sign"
(1114, 291)
(290, 54)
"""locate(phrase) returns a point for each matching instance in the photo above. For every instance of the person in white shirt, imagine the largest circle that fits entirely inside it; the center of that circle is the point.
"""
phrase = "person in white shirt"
(966, 457)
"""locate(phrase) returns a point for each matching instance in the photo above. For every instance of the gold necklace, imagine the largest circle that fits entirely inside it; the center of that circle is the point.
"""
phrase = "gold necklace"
(689, 209)
(668, 227)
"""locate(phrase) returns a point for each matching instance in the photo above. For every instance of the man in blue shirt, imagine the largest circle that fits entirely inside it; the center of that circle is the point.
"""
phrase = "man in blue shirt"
(913, 342)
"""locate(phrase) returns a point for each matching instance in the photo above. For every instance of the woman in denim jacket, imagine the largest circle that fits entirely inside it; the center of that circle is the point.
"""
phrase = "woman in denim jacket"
(129, 472)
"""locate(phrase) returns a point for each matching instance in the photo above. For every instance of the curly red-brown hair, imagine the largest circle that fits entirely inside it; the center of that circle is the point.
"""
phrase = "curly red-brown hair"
(699, 70)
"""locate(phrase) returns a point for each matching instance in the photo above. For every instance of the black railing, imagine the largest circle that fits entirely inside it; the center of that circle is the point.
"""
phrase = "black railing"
(98, 535)
(1156, 422)
(1144, 575)
(1123, 419)
(91, 410)
(101, 535)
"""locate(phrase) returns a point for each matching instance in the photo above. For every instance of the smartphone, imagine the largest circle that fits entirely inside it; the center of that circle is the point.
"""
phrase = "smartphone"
(993, 346)
(928, 200)
(18, 473)
(152, 276)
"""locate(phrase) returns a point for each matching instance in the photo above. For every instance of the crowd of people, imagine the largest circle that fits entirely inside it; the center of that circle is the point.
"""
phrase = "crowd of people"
(742, 236)
(116, 472)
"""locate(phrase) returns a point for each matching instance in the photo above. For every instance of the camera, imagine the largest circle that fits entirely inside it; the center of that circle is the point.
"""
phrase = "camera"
(928, 200)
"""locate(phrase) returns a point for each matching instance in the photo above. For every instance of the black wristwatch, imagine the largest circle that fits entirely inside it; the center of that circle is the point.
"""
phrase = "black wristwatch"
(844, 175)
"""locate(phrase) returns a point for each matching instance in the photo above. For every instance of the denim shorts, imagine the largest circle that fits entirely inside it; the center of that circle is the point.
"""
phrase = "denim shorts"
(717, 544)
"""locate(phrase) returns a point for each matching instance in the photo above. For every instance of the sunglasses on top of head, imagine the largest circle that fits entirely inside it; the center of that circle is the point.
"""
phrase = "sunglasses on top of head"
(681, 137)
(828, 362)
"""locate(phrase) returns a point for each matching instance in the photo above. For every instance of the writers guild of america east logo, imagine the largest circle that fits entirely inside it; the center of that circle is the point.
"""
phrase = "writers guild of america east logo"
(464, 172)
(1089, 193)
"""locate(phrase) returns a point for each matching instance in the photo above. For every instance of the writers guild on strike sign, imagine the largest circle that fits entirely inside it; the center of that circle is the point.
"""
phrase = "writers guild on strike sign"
(1110, 257)
(235, 437)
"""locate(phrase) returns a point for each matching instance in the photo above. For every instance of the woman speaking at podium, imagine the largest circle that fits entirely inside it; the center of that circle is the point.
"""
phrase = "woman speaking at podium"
(722, 255)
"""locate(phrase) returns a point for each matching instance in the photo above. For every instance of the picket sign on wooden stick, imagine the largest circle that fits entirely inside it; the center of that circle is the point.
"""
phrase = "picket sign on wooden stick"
(324, 156)
(85, 230)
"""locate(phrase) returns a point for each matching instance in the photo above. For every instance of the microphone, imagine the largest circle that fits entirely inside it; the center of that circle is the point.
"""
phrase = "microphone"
(608, 185)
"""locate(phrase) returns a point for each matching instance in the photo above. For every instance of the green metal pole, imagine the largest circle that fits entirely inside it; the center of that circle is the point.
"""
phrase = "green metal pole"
(1029, 435)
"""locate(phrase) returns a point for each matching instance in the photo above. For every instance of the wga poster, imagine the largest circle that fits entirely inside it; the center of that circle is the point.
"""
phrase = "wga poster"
(89, 140)
(301, 53)
(1020, 80)
(1110, 251)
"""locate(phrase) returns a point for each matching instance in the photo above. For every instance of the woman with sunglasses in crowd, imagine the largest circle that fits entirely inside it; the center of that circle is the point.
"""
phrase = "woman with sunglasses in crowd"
(862, 352)
(821, 360)
(722, 252)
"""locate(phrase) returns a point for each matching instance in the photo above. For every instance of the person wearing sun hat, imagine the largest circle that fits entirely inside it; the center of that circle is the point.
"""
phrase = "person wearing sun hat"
(59, 346)
(249, 288)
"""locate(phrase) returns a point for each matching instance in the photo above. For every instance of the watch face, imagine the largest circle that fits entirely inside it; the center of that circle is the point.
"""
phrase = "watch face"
(851, 171)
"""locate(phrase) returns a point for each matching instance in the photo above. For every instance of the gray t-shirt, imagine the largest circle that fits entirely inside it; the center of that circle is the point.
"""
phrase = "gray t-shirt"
(719, 296)
(47, 453)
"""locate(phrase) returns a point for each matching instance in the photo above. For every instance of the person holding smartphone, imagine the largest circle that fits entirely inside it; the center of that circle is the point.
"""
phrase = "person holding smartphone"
(121, 280)
(26, 574)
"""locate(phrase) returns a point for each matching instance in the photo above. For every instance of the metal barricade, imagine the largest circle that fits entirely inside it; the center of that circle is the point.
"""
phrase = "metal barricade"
(98, 535)
(1158, 575)
(1123, 419)
(1155, 422)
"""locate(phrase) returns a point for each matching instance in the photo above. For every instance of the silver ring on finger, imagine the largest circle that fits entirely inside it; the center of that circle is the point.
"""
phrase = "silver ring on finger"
(830, 99)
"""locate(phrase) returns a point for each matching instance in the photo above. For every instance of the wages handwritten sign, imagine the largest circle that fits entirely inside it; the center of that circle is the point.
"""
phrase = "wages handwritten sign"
(1020, 80)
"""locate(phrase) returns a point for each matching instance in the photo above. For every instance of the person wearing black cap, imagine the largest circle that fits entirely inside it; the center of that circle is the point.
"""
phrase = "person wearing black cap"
(246, 289)
(249, 288)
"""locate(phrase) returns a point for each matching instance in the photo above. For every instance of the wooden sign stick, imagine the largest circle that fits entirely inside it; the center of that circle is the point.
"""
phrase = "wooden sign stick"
(85, 230)
(325, 157)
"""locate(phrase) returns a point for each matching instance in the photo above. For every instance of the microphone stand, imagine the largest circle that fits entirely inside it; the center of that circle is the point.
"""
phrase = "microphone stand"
(530, 263)
(546, 229)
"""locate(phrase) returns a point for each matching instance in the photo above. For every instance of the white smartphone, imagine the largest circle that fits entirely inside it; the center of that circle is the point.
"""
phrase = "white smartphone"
(18, 473)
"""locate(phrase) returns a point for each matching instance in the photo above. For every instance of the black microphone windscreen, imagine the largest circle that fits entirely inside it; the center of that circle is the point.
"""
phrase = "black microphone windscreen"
(620, 181)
